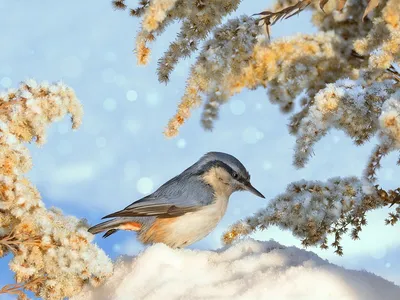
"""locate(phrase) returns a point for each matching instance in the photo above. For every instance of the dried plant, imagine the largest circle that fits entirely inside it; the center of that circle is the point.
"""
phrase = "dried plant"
(344, 21)
(44, 243)
(271, 17)
(18, 288)
(345, 76)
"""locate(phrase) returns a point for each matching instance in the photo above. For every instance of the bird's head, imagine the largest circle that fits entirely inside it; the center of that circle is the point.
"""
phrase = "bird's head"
(225, 173)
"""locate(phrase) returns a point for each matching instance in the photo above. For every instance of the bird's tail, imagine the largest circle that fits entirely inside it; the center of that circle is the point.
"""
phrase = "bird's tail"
(114, 225)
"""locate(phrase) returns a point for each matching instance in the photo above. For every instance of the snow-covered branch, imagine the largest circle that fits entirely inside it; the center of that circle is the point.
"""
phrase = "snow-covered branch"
(44, 242)
(312, 210)
(344, 77)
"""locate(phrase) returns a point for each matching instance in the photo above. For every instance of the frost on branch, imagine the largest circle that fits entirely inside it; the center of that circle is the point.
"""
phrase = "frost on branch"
(344, 76)
(287, 66)
(52, 253)
(312, 210)
(382, 43)
(225, 55)
(198, 18)
(389, 119)
(362, 37)
(349, 105)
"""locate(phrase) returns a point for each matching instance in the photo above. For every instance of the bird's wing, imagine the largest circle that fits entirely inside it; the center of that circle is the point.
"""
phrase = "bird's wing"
(176, 197)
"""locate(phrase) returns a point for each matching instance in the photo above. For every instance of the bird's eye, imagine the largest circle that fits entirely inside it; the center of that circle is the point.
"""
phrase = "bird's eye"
(235, 175)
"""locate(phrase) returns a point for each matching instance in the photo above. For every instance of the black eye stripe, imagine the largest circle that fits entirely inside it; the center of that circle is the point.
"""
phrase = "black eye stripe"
(218, 163)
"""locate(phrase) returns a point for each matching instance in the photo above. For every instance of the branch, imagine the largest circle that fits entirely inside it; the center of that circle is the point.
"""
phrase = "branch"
(119, 4)
(12, 243)
(17, 288)
(392, 70)
(374, 162)
(270, 18)
(314, 209)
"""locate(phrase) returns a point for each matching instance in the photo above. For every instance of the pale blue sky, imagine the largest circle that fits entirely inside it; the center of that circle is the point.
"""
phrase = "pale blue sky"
(120, 151)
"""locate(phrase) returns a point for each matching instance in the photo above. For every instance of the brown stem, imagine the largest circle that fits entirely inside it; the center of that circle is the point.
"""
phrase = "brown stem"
(12, 243)
(270, 18)
(17, 288)
(392, 70)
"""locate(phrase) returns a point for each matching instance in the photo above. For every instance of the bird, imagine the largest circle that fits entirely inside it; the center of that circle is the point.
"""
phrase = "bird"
(186, 208)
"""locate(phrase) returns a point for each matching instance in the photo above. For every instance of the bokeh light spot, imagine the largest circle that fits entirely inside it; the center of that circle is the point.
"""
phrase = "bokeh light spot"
(131, 95)
(181, 143)
(144, 185)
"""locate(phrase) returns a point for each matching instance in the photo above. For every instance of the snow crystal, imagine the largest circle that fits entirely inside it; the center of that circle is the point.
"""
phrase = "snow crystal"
(246, 270)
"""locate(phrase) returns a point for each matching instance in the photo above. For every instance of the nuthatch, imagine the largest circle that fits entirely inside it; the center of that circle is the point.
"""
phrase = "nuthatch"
(186, 208)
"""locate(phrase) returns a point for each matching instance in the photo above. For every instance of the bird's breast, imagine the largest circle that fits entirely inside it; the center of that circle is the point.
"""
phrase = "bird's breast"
(186, 229)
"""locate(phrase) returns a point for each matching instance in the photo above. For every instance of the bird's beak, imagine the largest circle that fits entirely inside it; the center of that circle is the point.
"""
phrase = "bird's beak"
(252, 189)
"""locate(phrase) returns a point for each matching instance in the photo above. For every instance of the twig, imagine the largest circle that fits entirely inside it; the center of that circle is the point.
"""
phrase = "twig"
(270, 18)
(11, 242)
(392, 70)
(17, 288)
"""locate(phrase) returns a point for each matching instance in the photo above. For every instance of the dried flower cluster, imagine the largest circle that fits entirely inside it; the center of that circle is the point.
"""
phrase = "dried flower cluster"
(344, 76)
(198, 18)
(52, 253)
(347, 105)
(366, 26)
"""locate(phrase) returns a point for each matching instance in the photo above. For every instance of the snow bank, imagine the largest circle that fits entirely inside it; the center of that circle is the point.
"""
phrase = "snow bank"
(248, 269)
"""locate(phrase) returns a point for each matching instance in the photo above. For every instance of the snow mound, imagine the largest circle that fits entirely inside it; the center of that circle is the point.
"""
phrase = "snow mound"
(248, 269)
